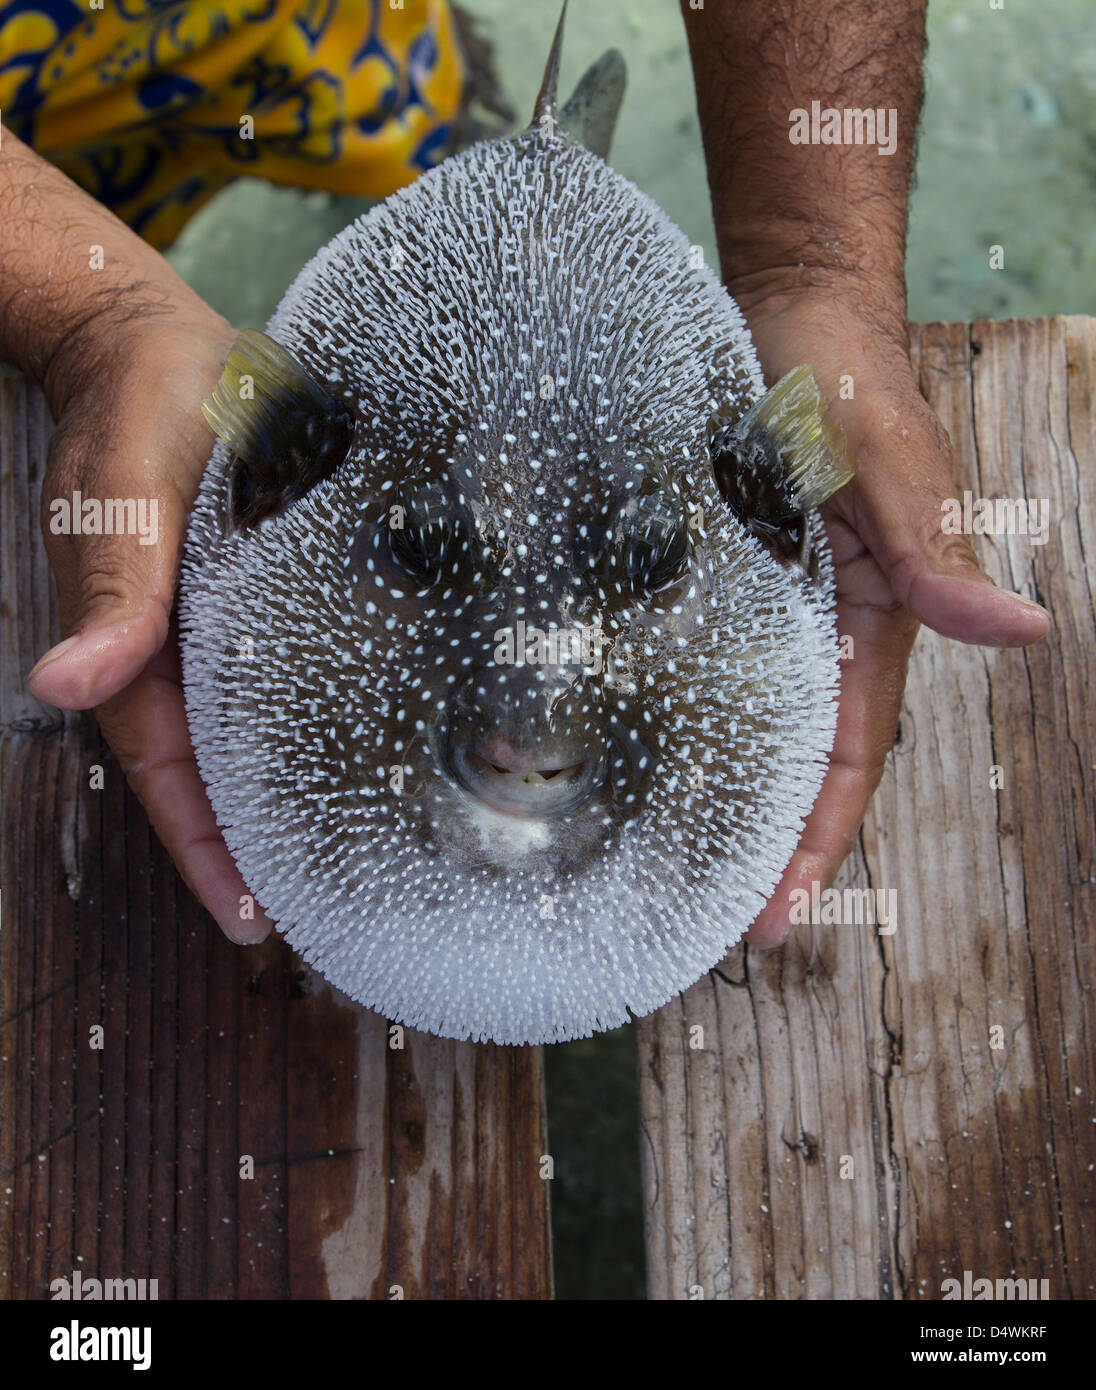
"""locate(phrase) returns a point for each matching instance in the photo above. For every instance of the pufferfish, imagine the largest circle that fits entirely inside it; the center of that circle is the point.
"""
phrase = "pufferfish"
(508, 618)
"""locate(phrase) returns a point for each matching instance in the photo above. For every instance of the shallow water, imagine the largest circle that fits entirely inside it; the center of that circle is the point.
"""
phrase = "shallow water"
(1007, 156)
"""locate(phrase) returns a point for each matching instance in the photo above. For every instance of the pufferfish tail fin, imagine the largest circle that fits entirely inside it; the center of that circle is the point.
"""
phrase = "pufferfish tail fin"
(780, 460)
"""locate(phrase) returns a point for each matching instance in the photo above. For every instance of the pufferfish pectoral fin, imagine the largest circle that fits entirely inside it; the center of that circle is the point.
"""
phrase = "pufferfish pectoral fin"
(780, 460)
(286, 430)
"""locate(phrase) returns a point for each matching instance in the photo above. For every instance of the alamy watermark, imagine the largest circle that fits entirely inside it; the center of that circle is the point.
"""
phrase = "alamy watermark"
(106, 516)
(848, 125)
(81, 1289)
(836, 907)
(1024, 1290)
(996, 516)
(94, 1343)
(526, 645)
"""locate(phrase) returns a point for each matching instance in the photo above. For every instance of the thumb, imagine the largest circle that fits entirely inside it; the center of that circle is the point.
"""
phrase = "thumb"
(122, 472)
(905, 470)
(112, 641)
(113, 534)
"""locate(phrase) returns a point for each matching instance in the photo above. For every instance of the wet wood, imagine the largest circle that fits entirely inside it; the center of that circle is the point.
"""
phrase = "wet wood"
(873, 1114)
(244, 1131)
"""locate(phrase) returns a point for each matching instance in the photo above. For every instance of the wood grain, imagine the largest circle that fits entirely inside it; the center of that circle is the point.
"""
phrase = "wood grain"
(379, 1172)
(852, 1046)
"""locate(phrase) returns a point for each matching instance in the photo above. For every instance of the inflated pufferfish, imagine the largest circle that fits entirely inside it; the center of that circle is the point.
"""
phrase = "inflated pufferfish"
(509, 646)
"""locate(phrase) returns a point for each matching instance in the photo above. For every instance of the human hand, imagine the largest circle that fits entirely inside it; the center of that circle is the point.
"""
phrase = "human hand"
(125, 352)
(812, 239)
(126, 392)
(895, 568)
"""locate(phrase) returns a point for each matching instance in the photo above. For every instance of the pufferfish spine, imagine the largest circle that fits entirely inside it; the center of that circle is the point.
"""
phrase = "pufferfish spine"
(507, 401)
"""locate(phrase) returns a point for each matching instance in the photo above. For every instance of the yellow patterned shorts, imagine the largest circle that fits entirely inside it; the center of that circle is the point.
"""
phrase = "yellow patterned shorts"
(154, 105)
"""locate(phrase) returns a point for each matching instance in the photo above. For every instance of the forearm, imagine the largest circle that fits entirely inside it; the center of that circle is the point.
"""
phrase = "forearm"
(790, 215)
(71, 274)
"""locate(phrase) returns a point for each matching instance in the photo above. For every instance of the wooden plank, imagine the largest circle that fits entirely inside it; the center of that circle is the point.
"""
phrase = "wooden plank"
(378, 1171)
(848, 1044)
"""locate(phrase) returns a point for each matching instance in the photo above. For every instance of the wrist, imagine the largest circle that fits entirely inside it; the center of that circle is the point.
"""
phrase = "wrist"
(855, 339)
(765, 261)
(796, 310)
(75, 280)
(125, 329)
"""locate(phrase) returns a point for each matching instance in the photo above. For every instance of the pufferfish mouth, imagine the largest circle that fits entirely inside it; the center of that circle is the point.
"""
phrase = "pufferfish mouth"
(523, 784)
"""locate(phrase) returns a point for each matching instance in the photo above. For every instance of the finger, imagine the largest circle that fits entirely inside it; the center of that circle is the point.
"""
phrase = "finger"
(146, 727)
(905, 467)
(115, 462)
(111, 643)
(869, 706)
(114, 591)
(905, 470)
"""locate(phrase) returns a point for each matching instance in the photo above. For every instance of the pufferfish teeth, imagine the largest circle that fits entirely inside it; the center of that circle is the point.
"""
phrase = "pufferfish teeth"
(287, 430)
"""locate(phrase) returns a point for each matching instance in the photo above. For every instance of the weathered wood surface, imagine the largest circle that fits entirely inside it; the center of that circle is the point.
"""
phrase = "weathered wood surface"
(879, 1048)
(375, 1169)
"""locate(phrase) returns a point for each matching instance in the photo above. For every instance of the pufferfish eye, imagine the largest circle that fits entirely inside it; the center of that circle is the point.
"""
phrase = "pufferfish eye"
(648, 542)
(423, 532)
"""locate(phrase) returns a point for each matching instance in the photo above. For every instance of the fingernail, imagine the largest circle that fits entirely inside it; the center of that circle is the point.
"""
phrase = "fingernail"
(52, 655)
(246, 940)
(1030, 603)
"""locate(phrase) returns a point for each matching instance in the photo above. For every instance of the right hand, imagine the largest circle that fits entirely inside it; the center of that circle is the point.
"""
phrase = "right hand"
(894, 566)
